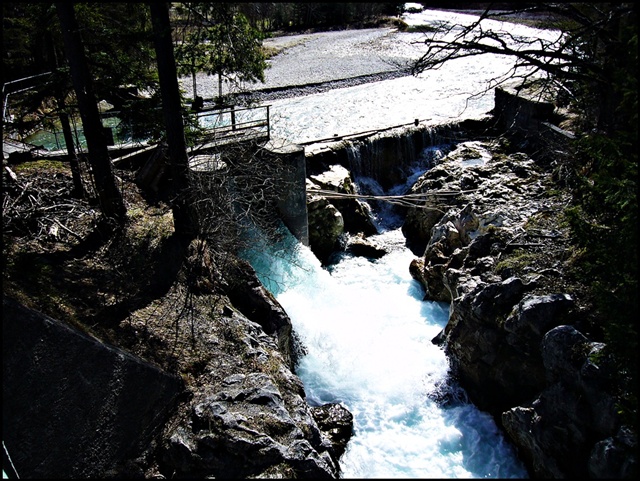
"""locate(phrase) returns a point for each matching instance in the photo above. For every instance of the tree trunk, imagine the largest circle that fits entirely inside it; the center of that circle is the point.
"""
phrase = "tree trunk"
(195, 85)
(219, 88)
(109, 196)
(184, 220)
(78, 188)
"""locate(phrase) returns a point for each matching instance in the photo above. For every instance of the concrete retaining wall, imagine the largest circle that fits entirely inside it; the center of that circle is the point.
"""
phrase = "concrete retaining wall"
(530, 117)
(293, 203)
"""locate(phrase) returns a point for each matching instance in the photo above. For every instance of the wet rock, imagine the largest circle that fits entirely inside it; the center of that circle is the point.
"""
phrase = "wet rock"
(337, 422)
(359, 246)
(356, 214)
(326, 225)
(515, 348)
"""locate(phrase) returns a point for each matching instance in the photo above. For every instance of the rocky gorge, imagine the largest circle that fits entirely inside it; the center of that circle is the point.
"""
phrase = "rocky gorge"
(489, 240)
(215, 393)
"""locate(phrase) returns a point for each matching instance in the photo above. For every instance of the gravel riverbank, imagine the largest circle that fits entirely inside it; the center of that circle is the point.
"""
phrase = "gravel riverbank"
(317, 62)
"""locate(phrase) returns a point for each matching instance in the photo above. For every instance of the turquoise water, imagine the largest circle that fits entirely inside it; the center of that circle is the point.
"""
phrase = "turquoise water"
(54, 139)
(368, 336)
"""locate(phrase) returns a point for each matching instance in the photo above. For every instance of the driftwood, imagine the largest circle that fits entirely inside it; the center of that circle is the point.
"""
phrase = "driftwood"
(39, 206)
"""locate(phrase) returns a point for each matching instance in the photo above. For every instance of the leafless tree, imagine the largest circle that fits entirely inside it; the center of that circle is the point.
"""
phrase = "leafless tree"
(235, 191)
(223, 194)
(579, 53)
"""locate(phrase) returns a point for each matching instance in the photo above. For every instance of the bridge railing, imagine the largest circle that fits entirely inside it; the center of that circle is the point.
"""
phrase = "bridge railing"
(235, 123)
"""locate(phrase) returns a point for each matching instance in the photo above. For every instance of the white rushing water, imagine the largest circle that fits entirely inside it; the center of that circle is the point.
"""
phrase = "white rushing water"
(368, 337)
(367, 331)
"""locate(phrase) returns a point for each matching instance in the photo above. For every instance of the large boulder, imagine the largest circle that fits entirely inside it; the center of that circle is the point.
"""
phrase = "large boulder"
(326, 226)
(244, 428)
(335, 210)
(355, 212)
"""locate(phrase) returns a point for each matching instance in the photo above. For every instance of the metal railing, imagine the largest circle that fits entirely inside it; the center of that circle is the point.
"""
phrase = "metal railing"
(228, 124)
(221, 126)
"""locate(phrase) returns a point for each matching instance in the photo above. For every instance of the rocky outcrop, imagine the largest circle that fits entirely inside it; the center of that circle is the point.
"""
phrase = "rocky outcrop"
(490, 244)
(332, 216)
(250, 297)
(245, 428)
(570, 428)
(76, 407)
(250, 417)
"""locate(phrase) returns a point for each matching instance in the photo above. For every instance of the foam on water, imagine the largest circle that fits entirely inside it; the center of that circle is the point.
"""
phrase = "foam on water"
(368, 336)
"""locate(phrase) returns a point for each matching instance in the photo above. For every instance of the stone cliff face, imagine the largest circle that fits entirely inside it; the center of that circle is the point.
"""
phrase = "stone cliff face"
(249, 416)
(495, 249)
(232, 407)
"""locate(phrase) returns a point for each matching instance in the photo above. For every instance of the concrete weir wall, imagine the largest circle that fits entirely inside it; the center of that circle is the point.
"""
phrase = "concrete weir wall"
(383, 155)
(293, 203)
(72, 406)
(386, 155)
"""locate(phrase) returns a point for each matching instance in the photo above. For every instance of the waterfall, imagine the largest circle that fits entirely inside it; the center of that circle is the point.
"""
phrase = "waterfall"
(389, 157)
(354, 159)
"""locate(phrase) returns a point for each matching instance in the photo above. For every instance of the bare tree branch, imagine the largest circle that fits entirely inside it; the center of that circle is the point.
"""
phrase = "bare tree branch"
(564, 54)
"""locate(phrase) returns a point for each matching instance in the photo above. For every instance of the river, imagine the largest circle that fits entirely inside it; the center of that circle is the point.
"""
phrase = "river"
(366, 328)
(367, 332)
